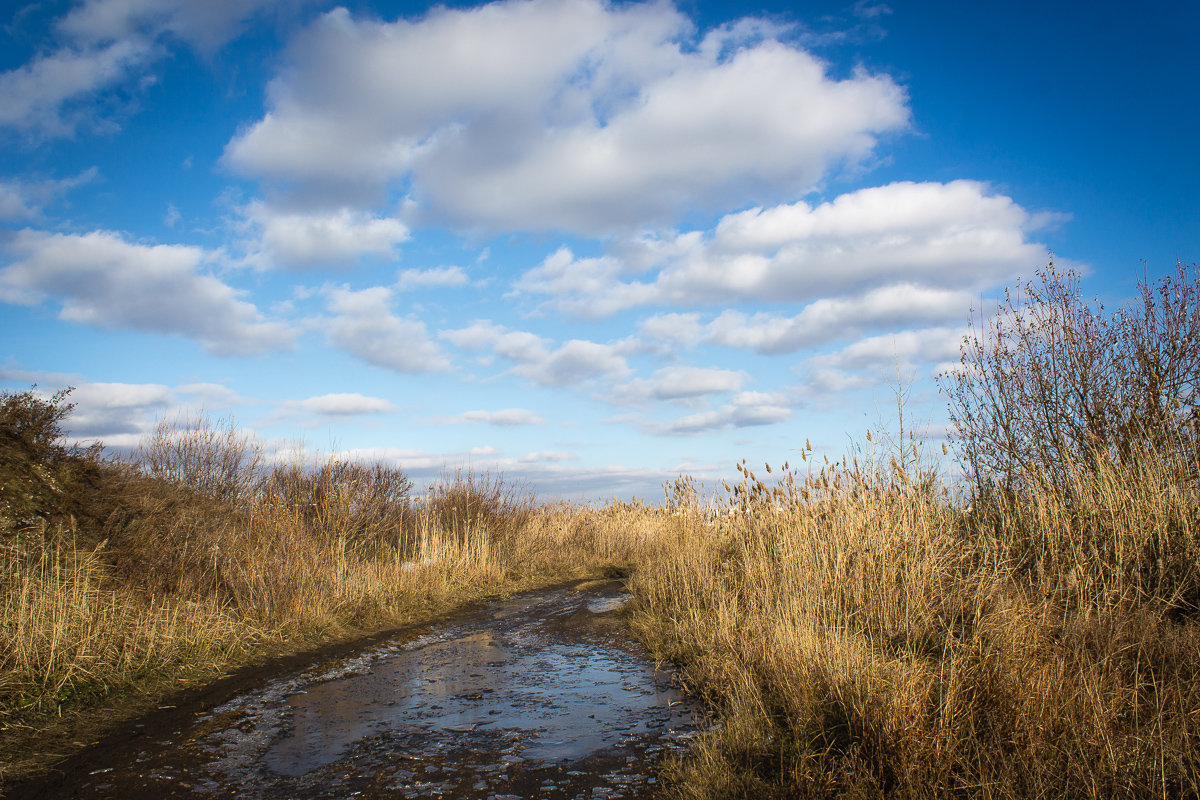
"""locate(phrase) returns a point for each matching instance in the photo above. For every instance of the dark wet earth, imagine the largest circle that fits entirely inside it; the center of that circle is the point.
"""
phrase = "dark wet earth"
(542, 695)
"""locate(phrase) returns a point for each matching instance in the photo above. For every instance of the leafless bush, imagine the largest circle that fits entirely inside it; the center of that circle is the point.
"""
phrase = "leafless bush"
(1053, 382)
(211, 457)
(369, 505)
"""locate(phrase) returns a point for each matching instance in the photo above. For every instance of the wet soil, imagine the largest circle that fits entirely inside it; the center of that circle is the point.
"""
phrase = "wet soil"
(539, 695)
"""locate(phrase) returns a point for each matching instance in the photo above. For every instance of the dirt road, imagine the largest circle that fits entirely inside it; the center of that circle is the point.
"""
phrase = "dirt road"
(542, 695)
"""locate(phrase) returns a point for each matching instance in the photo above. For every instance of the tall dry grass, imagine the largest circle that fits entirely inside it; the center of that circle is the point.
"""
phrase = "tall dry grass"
(206, 553)
(866, 636)
(859, 631)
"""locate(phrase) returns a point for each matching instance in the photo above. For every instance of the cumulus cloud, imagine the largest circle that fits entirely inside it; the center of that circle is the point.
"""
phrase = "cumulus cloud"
(574, 362)
(205, 26)
(40, 96)
(822, 321)
(436, 277)
(211, 395)
(105, 44)
(744, 409)
(587, 287)
(679, 384)
(505, 417)
(364, 326)
(336, 238)
(947, 235)
(547, 457)
(109, 410)
(906, 347)
(343, 404)
(581, 116)
(100, 279)
(679, 329)
(22, 201)
(873, 361)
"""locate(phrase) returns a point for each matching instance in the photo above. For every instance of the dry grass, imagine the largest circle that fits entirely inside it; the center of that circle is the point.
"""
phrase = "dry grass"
(859, 632)
(196, 554)
(866, 637)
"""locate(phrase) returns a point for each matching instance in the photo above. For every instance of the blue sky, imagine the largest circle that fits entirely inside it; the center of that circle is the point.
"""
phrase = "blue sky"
(586, 245)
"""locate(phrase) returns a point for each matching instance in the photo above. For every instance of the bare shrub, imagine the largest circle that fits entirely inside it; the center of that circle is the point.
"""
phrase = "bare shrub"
(1053, 382)
(369, 505)
(212, 457)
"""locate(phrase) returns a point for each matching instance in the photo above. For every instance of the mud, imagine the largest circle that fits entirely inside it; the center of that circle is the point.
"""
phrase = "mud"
(543, 695)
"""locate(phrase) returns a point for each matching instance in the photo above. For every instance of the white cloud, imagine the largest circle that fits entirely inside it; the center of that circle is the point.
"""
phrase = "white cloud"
(22, 201)
(839, 318)
(506, 417)
(574, 362)
(14, 205)
(39, 96)
(104, 281)
(905, 347)
(679, 384)
(105, 44)
(819, 322)
(336, 238)
(343, 404)
(204, 25)
(107, 410)
(365, 327)
(480, 334)
(595, 281)
(211, 395)
(440, 277)
(680, 329)
(952, 236)
(744, 409)
(547, 457)
(874, 360)
(576, 115)
(830, 381)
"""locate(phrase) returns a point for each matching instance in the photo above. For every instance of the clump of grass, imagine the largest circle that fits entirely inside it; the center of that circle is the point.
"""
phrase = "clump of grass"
(68, 631)
(864, 636)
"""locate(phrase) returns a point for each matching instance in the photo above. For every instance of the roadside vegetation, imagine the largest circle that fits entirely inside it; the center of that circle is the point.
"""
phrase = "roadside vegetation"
(123, 579)
(863, 628)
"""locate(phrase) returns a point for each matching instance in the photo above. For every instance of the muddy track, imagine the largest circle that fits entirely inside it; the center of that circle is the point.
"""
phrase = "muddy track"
(538, 695)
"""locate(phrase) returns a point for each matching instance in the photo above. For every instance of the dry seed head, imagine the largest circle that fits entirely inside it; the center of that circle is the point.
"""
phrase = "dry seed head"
(868, 434)
(768, 466)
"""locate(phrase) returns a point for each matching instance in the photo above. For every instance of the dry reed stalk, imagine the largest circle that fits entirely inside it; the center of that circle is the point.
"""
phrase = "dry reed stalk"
(876, 640)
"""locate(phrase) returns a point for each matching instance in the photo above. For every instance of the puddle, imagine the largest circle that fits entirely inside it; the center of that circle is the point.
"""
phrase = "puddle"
(541, 695)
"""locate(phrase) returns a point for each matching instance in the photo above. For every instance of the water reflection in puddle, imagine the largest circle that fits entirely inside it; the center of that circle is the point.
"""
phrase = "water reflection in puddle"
(541, 695)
